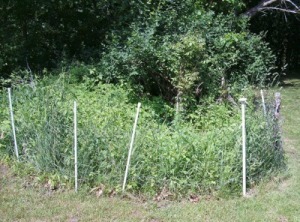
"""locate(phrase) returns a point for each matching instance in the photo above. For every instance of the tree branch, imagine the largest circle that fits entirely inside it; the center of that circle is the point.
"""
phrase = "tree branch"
(281, 9)
(279, 5)
(292, 3)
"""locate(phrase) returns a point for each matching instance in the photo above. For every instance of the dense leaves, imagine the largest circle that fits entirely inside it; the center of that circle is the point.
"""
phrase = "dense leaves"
(188, 58)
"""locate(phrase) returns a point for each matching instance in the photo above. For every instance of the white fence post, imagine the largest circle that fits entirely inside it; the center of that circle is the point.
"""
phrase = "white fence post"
(131, 145)
(243, 103)
(263, 101)
(75, 146)
(13, 123)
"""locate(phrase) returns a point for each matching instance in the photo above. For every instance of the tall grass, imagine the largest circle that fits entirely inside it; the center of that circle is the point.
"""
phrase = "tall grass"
(180, 156)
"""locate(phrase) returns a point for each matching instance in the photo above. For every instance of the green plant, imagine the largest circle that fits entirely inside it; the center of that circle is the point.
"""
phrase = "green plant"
(202, 155)
(187, 59)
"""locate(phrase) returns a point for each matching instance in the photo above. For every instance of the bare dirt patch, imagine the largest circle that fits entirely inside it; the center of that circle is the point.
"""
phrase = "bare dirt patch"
(282, 219)
(3, 170)
(3, 174)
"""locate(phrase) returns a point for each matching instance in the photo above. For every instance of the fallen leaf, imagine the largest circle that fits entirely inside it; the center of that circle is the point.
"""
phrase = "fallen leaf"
(98, 190)
(112, 192)
(162, 195)
(194, 198)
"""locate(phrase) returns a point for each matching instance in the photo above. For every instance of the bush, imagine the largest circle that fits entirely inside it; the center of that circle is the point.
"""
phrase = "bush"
(173, 56)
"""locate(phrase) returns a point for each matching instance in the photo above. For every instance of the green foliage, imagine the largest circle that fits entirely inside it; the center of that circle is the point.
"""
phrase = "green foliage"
(158, 52)
(5, 123)
(211, 115)
(224, 6)
(203, 155)
(188, 57)
(39, 34)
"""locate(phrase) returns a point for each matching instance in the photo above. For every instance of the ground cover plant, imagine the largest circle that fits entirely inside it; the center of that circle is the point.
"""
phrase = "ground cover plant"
(199, 153)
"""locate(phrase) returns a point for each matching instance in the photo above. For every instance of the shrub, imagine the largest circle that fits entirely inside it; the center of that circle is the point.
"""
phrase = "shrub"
(173, 56)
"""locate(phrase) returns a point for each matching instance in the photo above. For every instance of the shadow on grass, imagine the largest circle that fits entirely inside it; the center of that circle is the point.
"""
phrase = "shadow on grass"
(292, 79)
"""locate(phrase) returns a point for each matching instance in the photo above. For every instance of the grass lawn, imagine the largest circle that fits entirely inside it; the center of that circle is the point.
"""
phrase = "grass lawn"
(278, 200)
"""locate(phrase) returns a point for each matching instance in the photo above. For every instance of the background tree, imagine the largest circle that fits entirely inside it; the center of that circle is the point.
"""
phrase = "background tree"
(40, 34)
(280, 21)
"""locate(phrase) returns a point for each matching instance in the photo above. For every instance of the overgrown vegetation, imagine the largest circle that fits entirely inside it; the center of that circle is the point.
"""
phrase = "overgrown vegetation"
(188, 58)
(202, 155)
(273, 200)
(187, 62)
(40, 34)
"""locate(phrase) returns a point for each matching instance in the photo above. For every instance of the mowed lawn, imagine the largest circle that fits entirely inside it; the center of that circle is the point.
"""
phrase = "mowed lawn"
(276, 200)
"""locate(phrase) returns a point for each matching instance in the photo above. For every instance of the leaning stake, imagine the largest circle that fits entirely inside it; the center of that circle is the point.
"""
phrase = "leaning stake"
(131, 145)
(277, 104)
(75, 145)
(243, 102)
(263, 101)
(13, 123)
